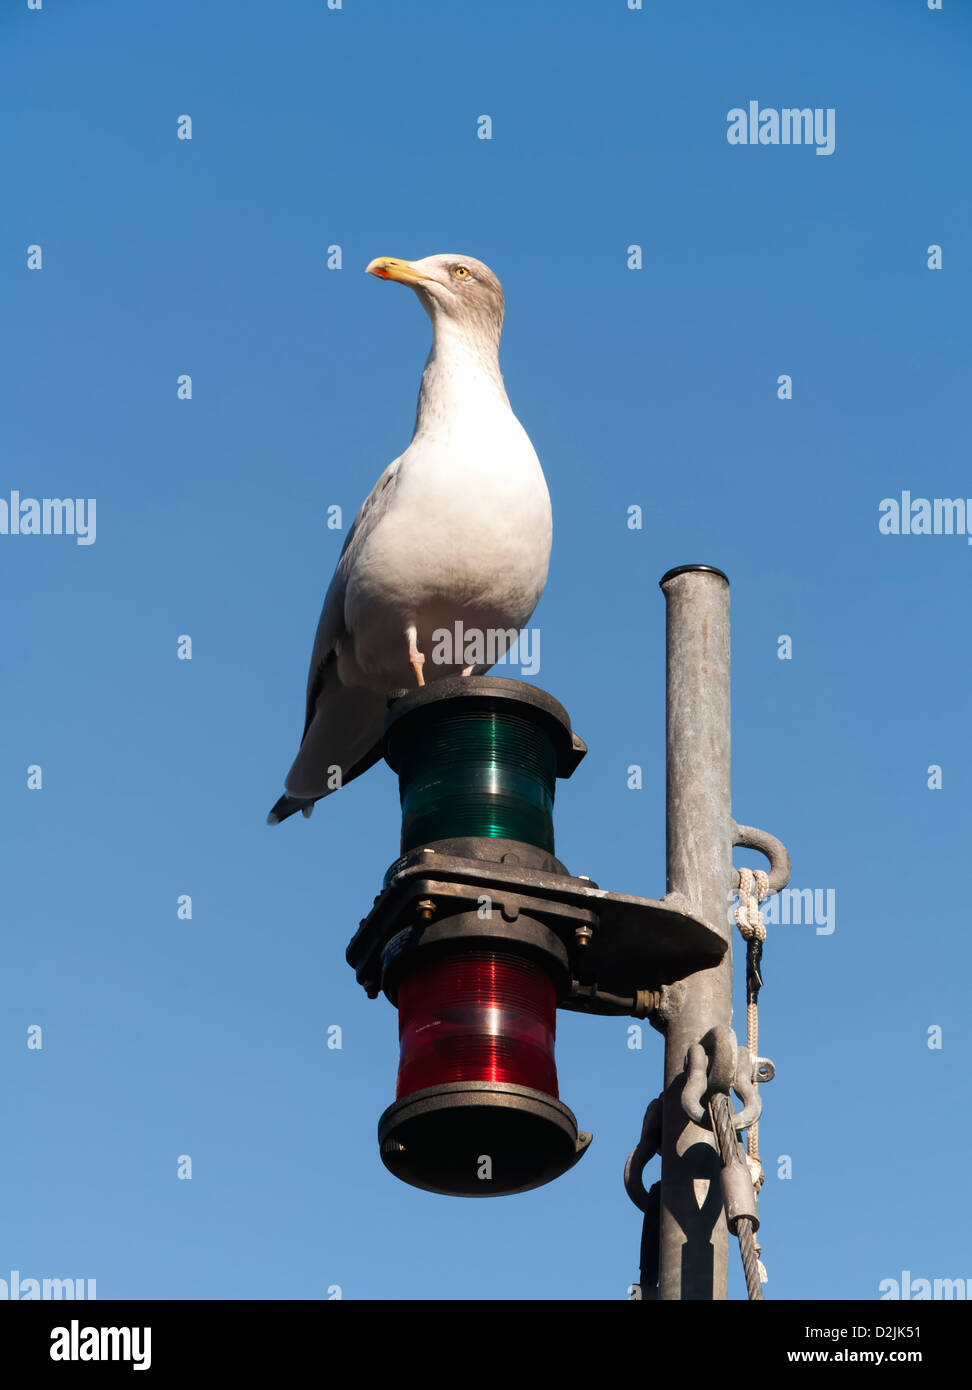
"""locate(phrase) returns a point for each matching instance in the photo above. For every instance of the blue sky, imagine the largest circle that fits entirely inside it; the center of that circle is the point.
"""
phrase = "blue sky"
(655, 387)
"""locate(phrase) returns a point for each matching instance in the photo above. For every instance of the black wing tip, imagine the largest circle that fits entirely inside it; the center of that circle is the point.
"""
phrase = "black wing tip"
(288, 806)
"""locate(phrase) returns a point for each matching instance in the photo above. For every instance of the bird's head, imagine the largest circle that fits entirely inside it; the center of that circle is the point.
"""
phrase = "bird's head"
(450, 286)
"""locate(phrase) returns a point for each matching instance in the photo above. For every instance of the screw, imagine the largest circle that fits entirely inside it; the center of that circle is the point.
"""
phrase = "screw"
(425, 910)
(582, 935)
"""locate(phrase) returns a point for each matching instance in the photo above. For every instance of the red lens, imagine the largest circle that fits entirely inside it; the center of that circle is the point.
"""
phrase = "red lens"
(477, 1016)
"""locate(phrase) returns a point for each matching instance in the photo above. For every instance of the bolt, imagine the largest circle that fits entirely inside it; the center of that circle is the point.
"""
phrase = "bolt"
(582, 935)
(425, 910)
(646, 1002)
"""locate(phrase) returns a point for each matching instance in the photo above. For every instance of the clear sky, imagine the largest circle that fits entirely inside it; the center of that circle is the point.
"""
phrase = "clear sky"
(657, 388)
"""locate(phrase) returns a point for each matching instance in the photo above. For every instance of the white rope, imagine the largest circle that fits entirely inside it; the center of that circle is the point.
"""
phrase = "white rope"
(753, 888)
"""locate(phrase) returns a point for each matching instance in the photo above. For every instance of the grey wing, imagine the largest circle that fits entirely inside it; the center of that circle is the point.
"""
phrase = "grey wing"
(343, 724)
(331, 627)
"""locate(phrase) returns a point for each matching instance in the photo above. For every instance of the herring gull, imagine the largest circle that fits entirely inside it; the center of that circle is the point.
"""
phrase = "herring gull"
(456, 530)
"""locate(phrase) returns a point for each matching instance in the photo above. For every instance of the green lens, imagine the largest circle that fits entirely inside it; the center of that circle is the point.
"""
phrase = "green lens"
(479, 773)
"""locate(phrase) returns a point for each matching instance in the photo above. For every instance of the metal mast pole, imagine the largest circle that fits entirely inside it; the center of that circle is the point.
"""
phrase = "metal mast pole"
(693, 1234)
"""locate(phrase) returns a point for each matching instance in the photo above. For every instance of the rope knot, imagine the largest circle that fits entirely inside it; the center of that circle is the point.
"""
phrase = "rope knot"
(753, 888)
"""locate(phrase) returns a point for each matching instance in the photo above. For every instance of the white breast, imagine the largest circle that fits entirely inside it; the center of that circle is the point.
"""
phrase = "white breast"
(466, 537)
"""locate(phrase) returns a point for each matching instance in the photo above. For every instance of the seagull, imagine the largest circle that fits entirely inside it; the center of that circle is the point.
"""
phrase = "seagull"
(457, 530)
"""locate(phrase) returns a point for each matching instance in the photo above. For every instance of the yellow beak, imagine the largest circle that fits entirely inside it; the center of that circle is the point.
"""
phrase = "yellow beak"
(391, 268)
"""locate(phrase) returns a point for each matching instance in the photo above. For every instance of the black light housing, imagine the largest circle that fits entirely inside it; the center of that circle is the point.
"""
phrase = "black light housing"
(481, 933)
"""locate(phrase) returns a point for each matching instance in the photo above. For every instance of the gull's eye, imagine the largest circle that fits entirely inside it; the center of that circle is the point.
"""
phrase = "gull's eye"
(461, 272)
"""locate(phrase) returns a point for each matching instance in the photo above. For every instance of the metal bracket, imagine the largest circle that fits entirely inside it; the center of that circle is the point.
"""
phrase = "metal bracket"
(748, 837)
(634, 944)
(715, 1065)
(646, 1148)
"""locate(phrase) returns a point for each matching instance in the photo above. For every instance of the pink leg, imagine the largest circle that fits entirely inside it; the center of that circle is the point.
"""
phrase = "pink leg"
(415, 657)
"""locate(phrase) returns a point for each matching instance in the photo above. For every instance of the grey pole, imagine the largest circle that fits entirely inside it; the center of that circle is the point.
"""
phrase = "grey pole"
(693, 1235)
